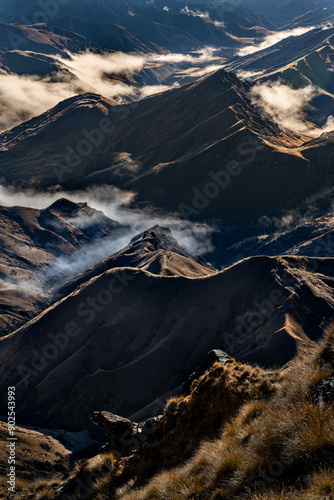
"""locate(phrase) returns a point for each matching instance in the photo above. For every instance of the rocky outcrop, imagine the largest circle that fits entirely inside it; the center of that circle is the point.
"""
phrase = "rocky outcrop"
(123, 435)
(214, 356)
(323, 392)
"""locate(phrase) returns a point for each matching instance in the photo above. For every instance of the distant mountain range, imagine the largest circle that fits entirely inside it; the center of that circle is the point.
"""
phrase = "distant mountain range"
(109, 24)
(193, 146)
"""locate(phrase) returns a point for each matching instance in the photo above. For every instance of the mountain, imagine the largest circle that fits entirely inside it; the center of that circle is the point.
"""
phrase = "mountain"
(298, 12)
(110, 14)
(155, 251)
(41, 249)
(122, 33)
(303, 12)
(27, 63)
(45, 454)
(108, 36)
(41, 39)
(199, 129)
(175, 29)
(160, 24)
(299, 60)
(103, 345)
(33, 11)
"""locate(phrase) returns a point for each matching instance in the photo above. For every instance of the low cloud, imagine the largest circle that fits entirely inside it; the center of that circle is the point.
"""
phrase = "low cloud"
(273, 39)
(95, 70)
(290, 220)
(247, 75)
(207, 54)
(203, 15)
(149, 90)
(125, 165)
(195, 13)
(24, 97)
(114, 203)
(288, 107)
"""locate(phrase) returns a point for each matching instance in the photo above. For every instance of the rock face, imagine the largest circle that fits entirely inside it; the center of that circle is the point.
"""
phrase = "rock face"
(118, 429)
(214, 356)
(123, 435)
(323, 392)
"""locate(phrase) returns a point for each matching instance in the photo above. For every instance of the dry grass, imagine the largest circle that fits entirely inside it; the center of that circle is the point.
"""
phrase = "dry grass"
(31, 490)
(278, 446)
(214, 399)
(241, 433)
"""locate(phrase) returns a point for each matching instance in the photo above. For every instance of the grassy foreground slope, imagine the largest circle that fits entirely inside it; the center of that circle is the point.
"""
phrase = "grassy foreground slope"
(248, 433)
(282, 447)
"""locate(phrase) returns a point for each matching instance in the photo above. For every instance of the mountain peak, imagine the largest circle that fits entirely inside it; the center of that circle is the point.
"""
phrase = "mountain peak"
(66, 206)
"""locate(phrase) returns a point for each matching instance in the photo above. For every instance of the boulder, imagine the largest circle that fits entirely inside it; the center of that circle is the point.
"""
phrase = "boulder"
(214, 356)
(323, 392)
(125, 437)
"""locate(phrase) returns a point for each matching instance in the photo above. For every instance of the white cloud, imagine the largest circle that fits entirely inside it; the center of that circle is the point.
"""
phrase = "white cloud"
(202, 15)
(288, 107)
(124, 164)
(149, 90)
(195, 13)
(273, 39)
(93, 69)
(114, 203)
(204, 55)
(23, 97)
(247, 75)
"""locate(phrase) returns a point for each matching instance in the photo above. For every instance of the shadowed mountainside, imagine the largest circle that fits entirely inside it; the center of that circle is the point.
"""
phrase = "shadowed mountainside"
(36, 250)
(41, 39)
(119, 328)
(192, 143)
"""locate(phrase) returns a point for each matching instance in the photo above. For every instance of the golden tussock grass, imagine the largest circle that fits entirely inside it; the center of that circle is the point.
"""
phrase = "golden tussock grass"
(240, 433)
(278, 444)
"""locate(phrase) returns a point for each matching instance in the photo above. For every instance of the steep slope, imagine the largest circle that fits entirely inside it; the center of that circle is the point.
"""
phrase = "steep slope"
(291, 12)
(41, 39)
(104, 344)
(198, 130)
(108, 36)
(22, 62)
(36, 456)
(291, 427)
(36, 250)
(283, 57)
(155, 251)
